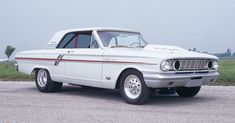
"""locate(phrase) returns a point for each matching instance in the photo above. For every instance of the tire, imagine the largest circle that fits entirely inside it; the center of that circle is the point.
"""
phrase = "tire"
(188, 91)
(133, 88)
(44, 83)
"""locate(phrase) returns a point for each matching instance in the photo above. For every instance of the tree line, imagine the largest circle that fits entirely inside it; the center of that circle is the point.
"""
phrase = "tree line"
(227, 53)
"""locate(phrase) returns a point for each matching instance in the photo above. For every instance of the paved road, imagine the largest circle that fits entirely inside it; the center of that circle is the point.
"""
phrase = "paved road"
(21, 102)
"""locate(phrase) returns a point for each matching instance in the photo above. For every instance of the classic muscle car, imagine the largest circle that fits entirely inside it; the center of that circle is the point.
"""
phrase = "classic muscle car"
(117, 59)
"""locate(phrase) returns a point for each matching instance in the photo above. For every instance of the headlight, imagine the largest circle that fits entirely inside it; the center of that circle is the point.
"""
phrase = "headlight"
(215, 65)
(176, 65)
(166, 65)
(210, 64)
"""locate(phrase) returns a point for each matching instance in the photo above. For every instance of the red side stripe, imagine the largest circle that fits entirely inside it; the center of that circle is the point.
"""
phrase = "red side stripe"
(74, 60)
(46, 59)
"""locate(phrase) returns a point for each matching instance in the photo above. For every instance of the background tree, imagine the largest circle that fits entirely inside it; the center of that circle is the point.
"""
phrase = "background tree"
(9, 50)
(228, 52)
(233, 54)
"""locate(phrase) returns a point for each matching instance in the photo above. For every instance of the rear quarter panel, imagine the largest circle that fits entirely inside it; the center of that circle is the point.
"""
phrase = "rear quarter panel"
(29, 60)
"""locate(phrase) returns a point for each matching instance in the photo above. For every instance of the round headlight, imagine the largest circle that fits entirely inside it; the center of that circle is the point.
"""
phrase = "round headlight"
(176, 65)
(210, 64)
(166, 65)
(215, 65)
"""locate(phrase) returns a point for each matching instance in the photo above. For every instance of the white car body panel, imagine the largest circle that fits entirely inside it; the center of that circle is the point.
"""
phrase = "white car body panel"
(101, 67)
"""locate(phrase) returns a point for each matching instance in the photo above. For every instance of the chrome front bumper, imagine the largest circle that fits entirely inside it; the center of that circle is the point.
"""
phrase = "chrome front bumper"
(161, 80)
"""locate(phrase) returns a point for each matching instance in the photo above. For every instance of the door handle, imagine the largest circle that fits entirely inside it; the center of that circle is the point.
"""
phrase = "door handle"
(70, 51)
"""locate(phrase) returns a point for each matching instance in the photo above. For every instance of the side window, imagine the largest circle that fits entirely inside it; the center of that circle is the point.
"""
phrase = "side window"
(71, 43)
(78, 40)
(83, 40)
(66, 40)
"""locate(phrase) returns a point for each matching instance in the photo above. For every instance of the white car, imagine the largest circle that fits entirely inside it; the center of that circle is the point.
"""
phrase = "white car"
(117, 59)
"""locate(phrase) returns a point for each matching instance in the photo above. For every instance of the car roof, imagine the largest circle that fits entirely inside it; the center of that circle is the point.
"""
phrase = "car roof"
(59, 35)
(98, 29)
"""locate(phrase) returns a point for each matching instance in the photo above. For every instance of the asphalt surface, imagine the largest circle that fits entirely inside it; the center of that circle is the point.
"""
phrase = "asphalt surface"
(21, 102)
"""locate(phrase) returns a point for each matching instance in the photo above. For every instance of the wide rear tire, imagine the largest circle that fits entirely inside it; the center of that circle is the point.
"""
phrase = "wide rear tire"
(44, 83)
(188, 91)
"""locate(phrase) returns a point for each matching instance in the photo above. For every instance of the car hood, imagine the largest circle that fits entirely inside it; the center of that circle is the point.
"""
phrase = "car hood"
(167, 51)
(158, 51)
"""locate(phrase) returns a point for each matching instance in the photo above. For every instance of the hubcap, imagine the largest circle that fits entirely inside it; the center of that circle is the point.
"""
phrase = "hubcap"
(42, 78)
(132, 86)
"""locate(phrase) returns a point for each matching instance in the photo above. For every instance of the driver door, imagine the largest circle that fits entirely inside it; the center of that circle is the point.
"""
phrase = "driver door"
(83, 60)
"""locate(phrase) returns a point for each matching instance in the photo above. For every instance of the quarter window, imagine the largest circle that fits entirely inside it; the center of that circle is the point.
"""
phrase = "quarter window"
(78, 40)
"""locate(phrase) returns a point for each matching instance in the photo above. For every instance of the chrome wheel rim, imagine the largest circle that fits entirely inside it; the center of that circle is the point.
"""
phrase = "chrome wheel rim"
(42, 78)
(132, 86)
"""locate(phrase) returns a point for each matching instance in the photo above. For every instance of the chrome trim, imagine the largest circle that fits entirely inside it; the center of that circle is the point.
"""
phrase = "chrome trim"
(179, 80)
(58, 60)
(175, 72)
(190, 64)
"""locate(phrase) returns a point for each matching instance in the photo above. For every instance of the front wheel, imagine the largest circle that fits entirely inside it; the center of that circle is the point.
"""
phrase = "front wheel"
(188, 91)
(44, 83)
(133, 88)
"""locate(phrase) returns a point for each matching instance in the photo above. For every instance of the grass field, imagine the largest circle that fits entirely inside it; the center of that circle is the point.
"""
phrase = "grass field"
(8, 72)
(226, 70)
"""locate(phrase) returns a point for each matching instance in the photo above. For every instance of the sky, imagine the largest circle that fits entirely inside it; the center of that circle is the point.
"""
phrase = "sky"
(208, 25)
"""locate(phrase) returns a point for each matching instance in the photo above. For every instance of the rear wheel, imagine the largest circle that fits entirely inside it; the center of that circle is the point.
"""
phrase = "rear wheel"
(44, 83)
(188, 91)
(133, 88)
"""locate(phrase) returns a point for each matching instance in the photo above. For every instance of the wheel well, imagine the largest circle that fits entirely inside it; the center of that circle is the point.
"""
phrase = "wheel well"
(118, 80)
(36, 69)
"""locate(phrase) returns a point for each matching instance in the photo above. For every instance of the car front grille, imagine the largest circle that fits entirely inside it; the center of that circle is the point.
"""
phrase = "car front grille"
(195, 64)
(191, 64)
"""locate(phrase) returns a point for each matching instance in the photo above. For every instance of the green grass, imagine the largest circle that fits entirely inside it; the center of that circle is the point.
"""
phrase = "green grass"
(226, 70)
(8, 73)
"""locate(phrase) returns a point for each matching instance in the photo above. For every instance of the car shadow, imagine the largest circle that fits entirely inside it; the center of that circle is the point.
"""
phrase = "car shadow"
(175, 99)
(114, 95)
(98, 93)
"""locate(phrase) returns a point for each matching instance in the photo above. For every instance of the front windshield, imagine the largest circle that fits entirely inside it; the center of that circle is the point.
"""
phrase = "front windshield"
(121, 39)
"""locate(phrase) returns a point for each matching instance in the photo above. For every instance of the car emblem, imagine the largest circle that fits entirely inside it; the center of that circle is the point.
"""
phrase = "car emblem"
(108, 78)
(58, 60)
